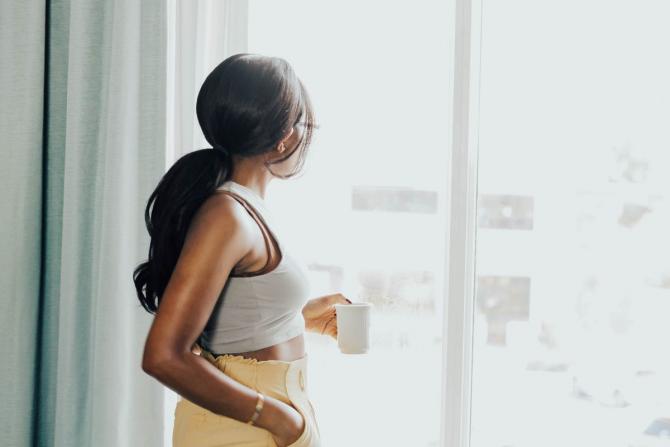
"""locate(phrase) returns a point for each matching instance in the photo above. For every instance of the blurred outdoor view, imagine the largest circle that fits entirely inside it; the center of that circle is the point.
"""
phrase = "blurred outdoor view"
(573, 254)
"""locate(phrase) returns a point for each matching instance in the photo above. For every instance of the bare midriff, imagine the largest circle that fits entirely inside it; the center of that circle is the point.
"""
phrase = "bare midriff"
(286, 351)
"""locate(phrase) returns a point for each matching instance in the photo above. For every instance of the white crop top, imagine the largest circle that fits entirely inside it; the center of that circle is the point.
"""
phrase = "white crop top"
(254, 310)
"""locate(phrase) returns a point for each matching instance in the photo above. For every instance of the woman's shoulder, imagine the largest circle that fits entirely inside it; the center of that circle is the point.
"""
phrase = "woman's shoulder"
(221, 211)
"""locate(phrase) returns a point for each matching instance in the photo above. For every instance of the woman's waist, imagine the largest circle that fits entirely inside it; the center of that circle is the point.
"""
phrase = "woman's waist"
(279, 339)
(286, 351)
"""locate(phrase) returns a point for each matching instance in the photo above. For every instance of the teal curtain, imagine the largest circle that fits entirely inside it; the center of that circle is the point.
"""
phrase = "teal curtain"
(82, 137)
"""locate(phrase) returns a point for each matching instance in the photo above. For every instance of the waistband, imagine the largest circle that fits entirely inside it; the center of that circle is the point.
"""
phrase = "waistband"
(270, 377)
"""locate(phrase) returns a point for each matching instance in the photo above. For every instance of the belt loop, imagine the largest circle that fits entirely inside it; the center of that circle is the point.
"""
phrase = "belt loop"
(255, 382)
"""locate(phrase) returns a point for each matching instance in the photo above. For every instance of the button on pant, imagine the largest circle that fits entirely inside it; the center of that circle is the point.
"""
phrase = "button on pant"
(195, 426)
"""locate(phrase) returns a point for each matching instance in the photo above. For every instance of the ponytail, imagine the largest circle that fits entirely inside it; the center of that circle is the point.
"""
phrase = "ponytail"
(169, 211)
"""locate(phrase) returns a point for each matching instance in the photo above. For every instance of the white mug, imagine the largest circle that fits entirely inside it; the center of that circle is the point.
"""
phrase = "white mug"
(353, 327)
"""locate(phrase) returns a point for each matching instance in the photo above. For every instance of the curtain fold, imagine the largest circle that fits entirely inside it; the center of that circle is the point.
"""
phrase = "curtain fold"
(82, 133)
(22, 35)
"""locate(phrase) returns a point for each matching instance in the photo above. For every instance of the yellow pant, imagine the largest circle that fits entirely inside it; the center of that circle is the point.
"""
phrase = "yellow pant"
(195, 426)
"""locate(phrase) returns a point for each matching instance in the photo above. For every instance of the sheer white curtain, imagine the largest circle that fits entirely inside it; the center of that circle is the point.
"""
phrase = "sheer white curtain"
(201, 35)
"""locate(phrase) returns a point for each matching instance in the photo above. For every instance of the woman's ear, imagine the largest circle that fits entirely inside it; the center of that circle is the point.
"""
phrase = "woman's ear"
(282, 146)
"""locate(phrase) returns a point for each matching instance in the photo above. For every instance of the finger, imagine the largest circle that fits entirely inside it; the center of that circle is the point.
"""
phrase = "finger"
(332, 328)
(338, 298)
(329, 325)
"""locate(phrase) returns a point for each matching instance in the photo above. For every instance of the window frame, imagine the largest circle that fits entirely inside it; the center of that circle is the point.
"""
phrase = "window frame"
(461, 208)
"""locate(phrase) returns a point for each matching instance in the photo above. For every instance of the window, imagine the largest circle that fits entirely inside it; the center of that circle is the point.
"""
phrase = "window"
(367, 214)
(572, 276)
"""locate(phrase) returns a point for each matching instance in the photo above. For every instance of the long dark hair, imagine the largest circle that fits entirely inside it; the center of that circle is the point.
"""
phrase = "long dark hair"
(245, 106)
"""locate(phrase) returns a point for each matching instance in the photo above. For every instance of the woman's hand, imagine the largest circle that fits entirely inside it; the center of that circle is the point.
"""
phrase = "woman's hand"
(288, 425)
(319, 314)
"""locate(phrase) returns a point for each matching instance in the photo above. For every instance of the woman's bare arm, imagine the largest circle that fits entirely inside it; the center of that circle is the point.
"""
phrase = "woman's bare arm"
(218, 237)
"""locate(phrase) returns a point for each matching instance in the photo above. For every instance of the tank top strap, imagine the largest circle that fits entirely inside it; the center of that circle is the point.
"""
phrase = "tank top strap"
(251, 197)
(256, 208)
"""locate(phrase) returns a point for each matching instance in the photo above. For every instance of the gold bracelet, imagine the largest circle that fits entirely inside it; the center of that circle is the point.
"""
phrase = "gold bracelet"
(259, 407)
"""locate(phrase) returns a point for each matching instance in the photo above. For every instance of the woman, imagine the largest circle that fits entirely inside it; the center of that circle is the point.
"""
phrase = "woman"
(230, 301)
